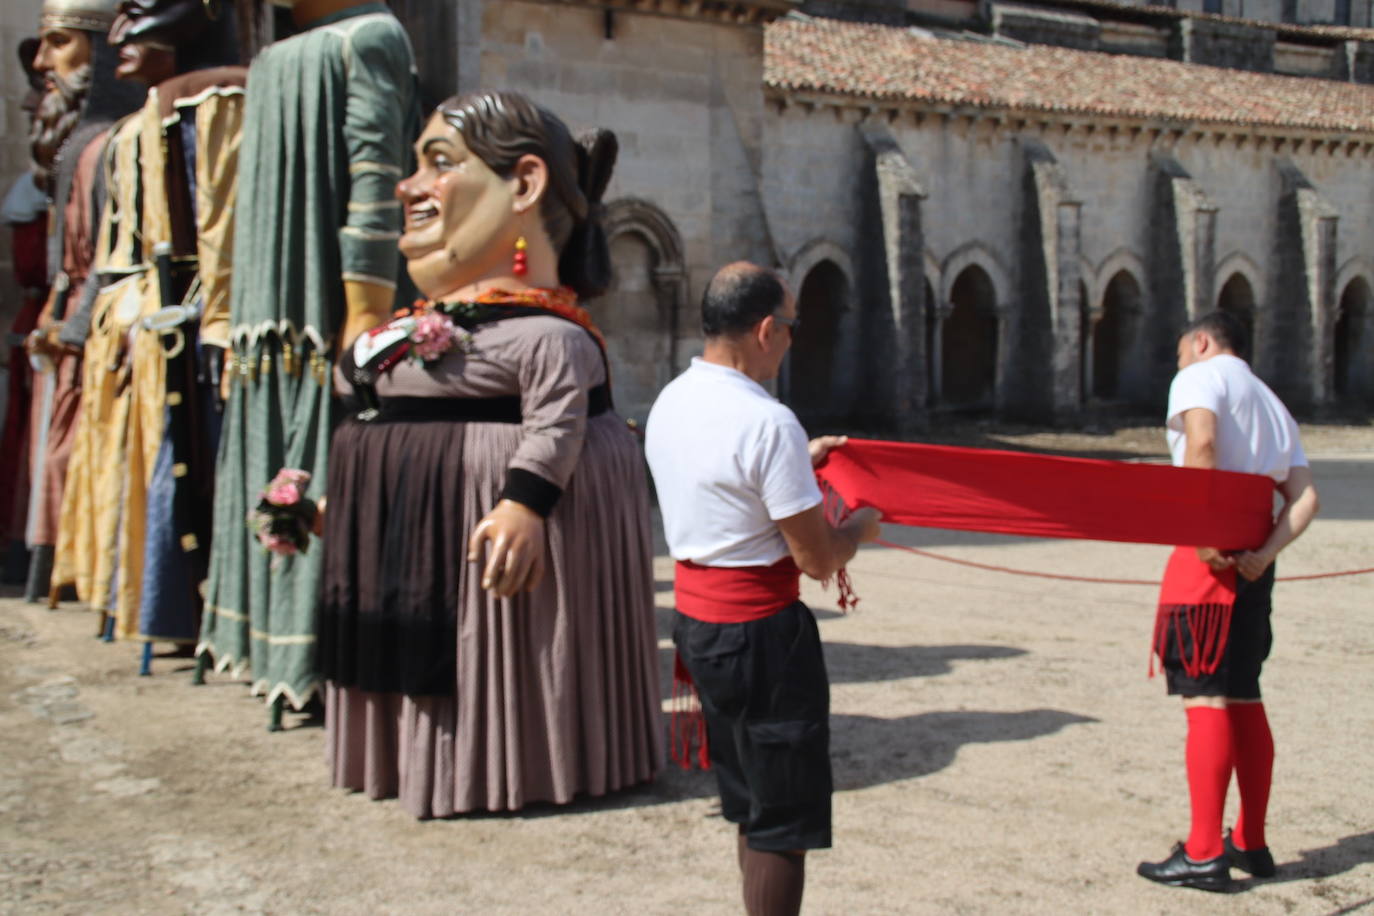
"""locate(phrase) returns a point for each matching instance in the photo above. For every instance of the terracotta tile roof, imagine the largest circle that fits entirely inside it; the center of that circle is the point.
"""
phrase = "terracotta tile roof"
(883, 63)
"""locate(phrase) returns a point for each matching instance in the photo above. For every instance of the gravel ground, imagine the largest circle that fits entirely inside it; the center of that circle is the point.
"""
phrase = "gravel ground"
(997, 746)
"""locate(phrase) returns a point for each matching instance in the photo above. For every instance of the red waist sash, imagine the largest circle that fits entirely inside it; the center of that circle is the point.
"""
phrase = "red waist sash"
(735, 594)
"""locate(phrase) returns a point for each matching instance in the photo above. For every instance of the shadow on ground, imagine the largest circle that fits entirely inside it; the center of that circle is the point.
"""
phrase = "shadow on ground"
(868, 751)
(865, 751)
(852, 663)
(1344, 855)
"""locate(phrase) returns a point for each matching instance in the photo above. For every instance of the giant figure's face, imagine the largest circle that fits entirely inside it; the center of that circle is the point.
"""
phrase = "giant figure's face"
(62, 53)
(147, 32)
(63, 61)
(167, 23)
(460, 217)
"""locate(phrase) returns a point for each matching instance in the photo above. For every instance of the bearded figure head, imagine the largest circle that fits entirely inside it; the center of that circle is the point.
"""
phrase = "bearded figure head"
(70, 34)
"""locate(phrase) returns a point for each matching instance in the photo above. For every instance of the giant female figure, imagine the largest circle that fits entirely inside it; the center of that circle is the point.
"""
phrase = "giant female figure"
(487, 627)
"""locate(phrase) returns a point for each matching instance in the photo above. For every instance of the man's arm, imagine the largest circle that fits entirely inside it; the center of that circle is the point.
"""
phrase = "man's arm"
(819, 550)
(1200, 451)
(1300, 506)
(1200, 438)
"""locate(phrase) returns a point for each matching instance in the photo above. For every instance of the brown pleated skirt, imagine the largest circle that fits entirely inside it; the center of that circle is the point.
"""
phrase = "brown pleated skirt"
(553, 693)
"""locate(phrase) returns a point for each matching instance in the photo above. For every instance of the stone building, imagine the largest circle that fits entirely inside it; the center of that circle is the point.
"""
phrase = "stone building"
(982, 206)
(1025, 228)
(1006, 208)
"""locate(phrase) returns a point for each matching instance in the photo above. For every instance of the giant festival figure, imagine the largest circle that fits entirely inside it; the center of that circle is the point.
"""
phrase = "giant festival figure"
(74, 119)
(134, 534)
(25, 212)
(488, 618)
(329, 114)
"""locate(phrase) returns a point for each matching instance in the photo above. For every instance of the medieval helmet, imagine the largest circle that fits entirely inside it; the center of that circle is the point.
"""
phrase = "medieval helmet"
(88, 15)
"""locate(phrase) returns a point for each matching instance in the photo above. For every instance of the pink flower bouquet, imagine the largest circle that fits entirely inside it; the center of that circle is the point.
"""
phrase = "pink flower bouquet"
(284, 516)
(434, 334)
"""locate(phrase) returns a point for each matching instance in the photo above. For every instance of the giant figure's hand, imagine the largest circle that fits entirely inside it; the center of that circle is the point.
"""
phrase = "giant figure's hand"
(514, 535)
(369, 304)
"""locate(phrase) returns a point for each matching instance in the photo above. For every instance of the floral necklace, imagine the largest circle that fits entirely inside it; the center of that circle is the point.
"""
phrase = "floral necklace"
(561, 302)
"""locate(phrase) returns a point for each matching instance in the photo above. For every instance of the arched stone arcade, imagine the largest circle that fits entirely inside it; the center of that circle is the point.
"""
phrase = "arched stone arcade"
(968, 342)
(1237, 297)
(820, 368)
(639, 313)
(1115, 338)
(1353, 345)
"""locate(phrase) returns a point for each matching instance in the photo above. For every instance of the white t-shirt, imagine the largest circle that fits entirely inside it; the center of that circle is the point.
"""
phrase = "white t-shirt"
(728, 461)
(1255, 433)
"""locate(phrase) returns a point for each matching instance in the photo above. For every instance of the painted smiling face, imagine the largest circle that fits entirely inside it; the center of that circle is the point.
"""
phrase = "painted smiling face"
(461, 221)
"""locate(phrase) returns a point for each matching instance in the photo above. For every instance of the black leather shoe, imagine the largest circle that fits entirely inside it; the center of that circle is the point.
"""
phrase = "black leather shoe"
(1257, 862)
(1180, 871)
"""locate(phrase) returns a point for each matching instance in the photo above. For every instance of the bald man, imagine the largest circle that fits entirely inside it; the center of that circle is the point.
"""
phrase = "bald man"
(743, 518)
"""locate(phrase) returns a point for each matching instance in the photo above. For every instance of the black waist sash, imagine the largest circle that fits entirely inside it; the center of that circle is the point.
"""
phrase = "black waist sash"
(467, 410)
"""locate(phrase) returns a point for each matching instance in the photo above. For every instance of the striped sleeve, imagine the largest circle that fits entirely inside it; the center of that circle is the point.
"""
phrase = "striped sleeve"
(378, 123)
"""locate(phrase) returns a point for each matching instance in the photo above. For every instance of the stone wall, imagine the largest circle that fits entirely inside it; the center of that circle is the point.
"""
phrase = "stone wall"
(1074, 225)
(1235, 46)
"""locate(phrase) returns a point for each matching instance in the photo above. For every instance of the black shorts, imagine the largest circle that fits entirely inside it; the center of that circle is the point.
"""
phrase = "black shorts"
(1247, 646)
(766, 698)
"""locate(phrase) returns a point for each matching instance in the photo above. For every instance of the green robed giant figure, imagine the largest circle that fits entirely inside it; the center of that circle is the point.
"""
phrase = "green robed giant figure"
(329, 118)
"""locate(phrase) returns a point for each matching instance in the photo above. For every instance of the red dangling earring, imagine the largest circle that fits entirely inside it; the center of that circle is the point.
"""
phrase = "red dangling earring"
(520, 266)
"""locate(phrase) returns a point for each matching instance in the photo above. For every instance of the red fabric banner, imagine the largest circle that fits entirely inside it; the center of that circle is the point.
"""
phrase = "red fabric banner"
(968, 489)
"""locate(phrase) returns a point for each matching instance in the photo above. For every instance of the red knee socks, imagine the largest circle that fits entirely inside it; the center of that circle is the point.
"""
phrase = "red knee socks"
(1253, 751)
(1209, 773)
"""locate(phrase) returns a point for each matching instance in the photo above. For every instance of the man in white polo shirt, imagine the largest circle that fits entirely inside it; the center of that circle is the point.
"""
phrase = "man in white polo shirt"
(1222, 416)
(743, 518)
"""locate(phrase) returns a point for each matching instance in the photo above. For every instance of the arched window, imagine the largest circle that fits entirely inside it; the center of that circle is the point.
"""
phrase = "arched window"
(1112, 336)
(638, 314)
(1085, 350)
(932, 328)
(815, 357)
(1238, 298)
(969, 342)
(1354, 344)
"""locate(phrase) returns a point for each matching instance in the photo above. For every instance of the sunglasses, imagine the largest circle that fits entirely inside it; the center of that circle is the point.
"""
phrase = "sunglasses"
(793, 325)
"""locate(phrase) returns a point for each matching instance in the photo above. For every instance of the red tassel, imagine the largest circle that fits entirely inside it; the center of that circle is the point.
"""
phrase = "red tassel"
(849, 599)
(1209, 626)
(835, 515)
(688, 721)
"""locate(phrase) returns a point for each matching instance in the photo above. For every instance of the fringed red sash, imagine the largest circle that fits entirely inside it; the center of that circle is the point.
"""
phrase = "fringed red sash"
(720, 594)
(687, 724)
(1197, 600)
